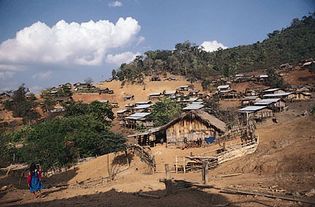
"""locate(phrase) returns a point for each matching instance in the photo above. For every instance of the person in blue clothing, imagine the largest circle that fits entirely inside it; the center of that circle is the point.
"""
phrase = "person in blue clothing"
(34, 180)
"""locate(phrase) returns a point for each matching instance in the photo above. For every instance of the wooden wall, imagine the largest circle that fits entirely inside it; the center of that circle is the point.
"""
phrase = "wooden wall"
(192, 130)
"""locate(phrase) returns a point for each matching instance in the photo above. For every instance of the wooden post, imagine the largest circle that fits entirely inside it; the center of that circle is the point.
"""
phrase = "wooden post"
(168, 181)
(108, 168)
(176, 164)
(167, 172)
(205, 171)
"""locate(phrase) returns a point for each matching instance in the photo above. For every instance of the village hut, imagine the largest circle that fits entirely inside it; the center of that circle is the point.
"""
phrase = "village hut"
(137, 120)
(155, 96)
(301, 96)
(188, 128)
(249, 100)
(257, 113)
(276, 104)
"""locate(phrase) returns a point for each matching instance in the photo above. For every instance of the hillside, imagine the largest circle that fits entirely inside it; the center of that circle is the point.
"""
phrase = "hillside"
(289, 45)
(283, 162)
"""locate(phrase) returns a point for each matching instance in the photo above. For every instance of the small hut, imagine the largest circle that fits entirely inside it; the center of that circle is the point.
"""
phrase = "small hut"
(257, 113)
(189, 127)
(276, 104)
(301, 96)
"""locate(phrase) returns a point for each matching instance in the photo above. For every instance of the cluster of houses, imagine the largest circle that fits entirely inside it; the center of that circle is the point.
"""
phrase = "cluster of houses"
(195, 124)
(137, 115)
(259, 106)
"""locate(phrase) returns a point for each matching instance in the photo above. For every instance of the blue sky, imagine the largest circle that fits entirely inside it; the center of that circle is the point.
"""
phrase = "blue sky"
(55, 51)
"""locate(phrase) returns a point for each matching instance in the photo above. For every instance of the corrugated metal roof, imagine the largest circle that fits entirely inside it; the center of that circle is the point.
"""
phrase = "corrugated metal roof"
(197, 102)
(142, 102)
(143, 106)
(193, 107)
(251, 108)
(103, 101)
(122, 111)
(264, 102)
(250, 98)
(169, 92)
(223, 86)
(155, 94)
(137, 116)
(271, 89)
(277, 95)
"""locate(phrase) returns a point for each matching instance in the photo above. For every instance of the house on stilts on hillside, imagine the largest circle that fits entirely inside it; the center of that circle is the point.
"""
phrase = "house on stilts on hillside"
(190, 127)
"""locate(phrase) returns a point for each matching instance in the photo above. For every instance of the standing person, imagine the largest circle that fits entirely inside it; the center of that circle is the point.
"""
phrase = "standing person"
(34, 180)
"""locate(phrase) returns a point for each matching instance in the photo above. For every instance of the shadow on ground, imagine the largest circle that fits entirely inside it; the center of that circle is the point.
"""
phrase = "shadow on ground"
(19, 181)
(187, 197)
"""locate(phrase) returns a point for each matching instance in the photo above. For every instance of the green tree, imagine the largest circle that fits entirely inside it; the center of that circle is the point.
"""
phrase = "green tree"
(274, 80)
(101, 111)
(114, 74)
(61, 141)
(21, 105)
(289, 45)
(164, 111)
(7, 151)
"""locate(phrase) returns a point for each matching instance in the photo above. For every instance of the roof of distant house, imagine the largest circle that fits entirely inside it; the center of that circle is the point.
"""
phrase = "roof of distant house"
(263, 76)
(247, 98)
(169, 92)
(271, 89)
(277, 95)
(265, 102)
(143, 102)
(122, 111)
(137, 116)
(193, 106)
(143, 106)
(251, 109)
(155, 94)
(223, 86)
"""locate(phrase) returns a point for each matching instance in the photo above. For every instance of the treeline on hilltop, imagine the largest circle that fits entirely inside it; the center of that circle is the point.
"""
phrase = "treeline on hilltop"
(289, 45)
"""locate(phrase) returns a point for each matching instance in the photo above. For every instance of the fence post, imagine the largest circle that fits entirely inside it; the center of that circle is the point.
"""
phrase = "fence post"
(205, 167)
(176, 164)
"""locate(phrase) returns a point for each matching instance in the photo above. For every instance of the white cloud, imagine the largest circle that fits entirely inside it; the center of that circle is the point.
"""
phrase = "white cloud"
(42, 75)
(4, 75)
(84, 43)
(125, 57)
(211, 46)
(6, 67)
(115, 4)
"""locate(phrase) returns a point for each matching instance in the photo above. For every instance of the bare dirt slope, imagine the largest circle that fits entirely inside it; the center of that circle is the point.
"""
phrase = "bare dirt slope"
(299, 77)
(284, 161)
(141, 92)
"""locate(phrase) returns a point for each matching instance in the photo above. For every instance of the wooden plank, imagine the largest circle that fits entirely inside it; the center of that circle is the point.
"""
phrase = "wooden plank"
(147, 195)
(229, 175)
(268, 195)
